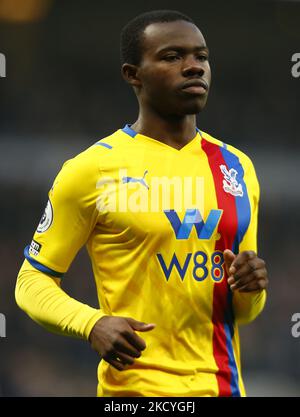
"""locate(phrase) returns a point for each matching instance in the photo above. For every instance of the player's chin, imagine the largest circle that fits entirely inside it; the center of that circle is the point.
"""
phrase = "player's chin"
(194, 109)
(195, 105)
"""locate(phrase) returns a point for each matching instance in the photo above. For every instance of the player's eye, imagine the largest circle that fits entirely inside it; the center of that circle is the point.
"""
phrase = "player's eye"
(171, 57)
(202, 57)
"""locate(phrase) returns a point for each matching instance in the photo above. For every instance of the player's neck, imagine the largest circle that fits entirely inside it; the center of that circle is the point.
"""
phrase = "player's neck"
(175, 132)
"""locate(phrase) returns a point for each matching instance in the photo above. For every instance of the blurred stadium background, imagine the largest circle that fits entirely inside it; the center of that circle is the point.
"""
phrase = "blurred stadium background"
(63, 91)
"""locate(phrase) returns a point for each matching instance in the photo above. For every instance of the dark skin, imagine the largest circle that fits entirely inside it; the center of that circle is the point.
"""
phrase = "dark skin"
(174, 53)
(171, 84)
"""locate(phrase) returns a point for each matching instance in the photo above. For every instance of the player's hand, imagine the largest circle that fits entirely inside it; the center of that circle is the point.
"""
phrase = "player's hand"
(246, 271)
(116, 341)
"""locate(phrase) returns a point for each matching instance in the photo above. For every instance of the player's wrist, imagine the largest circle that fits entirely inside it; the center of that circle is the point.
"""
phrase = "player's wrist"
(92, 323)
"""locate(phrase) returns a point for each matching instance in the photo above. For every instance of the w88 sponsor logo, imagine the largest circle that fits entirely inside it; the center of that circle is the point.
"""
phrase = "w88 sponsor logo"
(198, 261)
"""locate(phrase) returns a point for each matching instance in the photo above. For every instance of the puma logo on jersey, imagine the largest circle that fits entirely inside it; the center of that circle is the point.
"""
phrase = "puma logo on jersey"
(140, 180)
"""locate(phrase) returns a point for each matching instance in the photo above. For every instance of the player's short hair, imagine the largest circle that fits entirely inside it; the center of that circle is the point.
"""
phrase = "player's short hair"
(132, 33)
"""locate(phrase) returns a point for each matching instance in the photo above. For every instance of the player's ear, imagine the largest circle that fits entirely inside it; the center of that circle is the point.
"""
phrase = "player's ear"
(130, 74)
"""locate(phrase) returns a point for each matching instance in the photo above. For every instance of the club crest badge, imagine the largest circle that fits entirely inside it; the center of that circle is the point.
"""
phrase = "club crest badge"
(230, 183)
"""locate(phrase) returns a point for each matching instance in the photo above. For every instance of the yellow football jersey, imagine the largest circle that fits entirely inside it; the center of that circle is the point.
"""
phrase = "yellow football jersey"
(156, 221)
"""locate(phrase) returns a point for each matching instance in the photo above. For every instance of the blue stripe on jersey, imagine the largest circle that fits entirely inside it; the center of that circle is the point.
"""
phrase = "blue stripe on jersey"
(106, 145)
(229, 332)
(39, 266)
(127, 129)
(243, 211)
(242, 203)
(234, 385)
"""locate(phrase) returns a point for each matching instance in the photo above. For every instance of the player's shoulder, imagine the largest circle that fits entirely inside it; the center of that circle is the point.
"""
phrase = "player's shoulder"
(89, 160)
(100, 148)
(242, 156)
(114, 141)
(78, 175)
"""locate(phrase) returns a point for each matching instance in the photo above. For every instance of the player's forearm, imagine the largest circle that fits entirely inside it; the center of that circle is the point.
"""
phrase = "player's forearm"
(41, 297)
(247, 306)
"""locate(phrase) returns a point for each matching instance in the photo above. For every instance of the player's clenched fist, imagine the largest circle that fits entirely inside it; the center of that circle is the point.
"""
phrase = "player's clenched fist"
(116, 341)
(246, 271)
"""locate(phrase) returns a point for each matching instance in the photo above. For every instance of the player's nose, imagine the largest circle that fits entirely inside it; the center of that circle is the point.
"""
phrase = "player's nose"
(192, 66)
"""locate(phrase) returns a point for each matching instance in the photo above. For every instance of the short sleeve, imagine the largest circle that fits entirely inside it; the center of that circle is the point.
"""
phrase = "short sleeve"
(69, 218)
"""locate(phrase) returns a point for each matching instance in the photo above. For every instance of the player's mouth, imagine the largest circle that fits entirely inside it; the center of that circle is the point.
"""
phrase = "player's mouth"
(198, 87)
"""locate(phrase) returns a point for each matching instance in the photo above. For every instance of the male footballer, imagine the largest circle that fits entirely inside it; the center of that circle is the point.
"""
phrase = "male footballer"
(168, 214)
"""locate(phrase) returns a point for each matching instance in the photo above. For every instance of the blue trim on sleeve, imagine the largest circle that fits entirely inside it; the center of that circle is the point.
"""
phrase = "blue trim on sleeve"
(41, 267)
(127, 129)
(106, 145)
